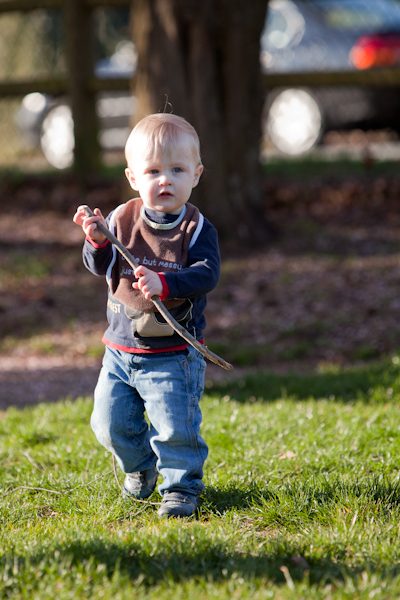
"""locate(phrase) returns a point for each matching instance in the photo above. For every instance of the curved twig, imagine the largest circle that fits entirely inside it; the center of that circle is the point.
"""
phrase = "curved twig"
(40, 489)
(157, 302)
(28, 487)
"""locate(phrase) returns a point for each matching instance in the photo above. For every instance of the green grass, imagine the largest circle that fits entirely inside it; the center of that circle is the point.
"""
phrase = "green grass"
(310, 167)
(302, 167)
(302, 499)
(17, 266)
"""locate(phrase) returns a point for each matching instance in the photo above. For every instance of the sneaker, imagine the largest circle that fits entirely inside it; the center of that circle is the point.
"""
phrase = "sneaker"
(141, 484)
(176, 504)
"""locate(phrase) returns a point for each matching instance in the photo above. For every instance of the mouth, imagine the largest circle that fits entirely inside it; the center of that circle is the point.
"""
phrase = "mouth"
(165, 195)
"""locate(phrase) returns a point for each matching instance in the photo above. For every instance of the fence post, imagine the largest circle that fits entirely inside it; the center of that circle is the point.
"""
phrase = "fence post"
(80, 61)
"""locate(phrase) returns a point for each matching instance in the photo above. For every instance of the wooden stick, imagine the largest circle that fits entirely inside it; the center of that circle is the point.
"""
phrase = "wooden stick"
(157, 302)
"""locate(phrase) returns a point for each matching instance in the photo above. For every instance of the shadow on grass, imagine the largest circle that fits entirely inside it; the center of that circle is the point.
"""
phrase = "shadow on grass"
(290, 505)
(356, 383)
(178, 555)
(219, 501)
(212, 561)
(378, 490)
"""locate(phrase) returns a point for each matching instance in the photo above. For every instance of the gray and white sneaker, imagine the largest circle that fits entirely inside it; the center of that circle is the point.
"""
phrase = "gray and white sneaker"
(177, 504)
(141, 484)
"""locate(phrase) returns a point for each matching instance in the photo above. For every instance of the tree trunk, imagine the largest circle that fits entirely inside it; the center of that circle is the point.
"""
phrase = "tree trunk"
(202, 58)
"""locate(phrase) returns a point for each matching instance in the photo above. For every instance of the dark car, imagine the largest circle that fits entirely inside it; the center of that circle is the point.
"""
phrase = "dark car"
(329, 35)
(299, 35)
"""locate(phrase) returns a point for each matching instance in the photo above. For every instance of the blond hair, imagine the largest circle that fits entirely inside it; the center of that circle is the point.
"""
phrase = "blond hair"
(159, 133)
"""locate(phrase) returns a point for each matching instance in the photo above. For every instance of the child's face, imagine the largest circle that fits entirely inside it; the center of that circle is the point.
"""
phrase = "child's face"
(165, 184)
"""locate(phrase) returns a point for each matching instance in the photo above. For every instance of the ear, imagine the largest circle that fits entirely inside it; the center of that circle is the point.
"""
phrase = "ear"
(131, 178)
(197, 175)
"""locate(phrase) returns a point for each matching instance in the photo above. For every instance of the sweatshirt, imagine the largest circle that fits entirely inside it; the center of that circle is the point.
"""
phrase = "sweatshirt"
(182, 249)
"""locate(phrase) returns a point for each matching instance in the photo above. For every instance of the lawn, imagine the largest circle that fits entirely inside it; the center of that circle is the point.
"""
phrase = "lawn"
(301, 499)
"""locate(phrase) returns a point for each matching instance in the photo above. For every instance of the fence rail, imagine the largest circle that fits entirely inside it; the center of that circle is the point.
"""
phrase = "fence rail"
(58, 86)
(79, 83)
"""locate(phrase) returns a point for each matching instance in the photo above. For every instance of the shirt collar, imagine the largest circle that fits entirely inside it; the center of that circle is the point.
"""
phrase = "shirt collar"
(161, 220)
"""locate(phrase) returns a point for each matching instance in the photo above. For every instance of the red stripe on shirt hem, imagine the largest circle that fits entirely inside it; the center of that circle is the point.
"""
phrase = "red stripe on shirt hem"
(140, 350)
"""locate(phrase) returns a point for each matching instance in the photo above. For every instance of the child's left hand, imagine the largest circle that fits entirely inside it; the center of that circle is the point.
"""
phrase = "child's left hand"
(149, 282)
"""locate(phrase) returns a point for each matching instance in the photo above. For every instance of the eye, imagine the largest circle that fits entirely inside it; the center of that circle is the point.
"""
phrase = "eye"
(153, 171)
(177, 170)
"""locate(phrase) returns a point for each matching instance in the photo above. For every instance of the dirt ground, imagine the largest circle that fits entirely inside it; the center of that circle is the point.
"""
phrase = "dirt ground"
(324, 289)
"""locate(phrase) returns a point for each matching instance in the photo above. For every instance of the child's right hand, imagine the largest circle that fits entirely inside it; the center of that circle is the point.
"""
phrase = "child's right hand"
(88, 224)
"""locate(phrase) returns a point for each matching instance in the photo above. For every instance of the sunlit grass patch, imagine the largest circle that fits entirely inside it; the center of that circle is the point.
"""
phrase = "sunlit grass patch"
(302, 498)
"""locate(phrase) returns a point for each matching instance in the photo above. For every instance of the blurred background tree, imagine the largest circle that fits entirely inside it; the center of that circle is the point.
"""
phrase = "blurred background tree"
(201, 60)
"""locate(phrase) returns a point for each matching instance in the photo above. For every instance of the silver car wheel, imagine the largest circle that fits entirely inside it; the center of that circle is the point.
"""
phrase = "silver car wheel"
(294, 121)
(57, 137)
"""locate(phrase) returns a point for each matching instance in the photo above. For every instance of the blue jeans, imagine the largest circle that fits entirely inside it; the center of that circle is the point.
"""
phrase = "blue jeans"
(168, 386)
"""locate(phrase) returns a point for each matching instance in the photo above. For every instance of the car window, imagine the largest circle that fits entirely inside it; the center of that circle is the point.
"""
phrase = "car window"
(368, 16)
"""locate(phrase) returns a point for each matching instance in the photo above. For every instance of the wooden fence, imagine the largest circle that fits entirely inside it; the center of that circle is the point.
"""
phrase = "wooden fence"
(81, 85)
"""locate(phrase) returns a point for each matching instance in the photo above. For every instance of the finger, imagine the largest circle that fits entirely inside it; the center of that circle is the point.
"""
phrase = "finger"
(141, 271)
(141, 283)
(98, 213)
(145, 285)
(79, 216)
(136, 286)
(91, 228)
(80, 210)
(90, 223)
(147, 292)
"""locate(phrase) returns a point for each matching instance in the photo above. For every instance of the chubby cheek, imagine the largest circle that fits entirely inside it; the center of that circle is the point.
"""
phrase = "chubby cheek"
(186, 189)
(149, 190)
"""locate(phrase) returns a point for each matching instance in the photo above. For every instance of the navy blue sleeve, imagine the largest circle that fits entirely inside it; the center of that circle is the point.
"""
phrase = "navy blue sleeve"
(203, 270)
(97, 258)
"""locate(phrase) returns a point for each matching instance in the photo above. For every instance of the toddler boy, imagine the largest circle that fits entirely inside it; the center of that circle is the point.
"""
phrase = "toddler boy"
(147, 366)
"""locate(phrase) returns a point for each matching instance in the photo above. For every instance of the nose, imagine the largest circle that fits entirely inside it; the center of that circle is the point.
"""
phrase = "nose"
(164, 179)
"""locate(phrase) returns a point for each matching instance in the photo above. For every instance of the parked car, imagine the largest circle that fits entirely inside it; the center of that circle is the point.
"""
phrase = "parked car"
(329, 35)
(299, 35)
